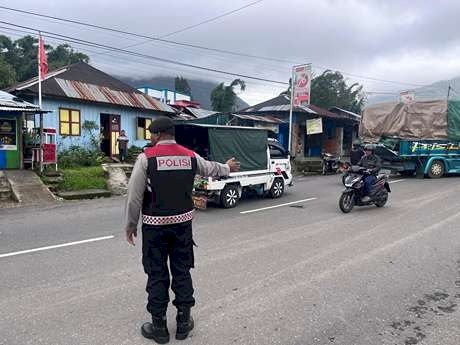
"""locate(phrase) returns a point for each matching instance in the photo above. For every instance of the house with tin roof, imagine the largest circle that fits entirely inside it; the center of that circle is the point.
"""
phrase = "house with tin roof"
(314, 129)
(82, 97)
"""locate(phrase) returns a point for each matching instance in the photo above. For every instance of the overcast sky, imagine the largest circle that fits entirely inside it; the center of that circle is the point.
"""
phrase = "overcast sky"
(414, 41)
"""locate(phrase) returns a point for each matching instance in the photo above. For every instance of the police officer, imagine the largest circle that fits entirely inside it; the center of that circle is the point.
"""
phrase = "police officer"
(161, 187)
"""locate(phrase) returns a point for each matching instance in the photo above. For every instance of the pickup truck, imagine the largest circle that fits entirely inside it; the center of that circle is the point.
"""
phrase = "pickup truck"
(265, 165)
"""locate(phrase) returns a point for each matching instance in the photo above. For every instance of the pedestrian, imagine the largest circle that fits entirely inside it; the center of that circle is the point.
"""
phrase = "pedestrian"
(122, 141)
(356, 154)
(161, 187)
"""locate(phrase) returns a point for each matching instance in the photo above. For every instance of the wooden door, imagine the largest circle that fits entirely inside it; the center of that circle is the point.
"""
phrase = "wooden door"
(115, 128)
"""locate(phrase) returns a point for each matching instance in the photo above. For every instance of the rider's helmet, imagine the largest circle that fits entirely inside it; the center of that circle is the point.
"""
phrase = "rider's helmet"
(369, 147)
(356, 144)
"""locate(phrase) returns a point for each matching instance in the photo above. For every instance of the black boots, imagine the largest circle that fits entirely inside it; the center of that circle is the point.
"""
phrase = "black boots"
(184, 323)
(157, 330)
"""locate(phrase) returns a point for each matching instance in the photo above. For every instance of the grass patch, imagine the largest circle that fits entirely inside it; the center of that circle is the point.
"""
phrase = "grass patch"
(83, 178)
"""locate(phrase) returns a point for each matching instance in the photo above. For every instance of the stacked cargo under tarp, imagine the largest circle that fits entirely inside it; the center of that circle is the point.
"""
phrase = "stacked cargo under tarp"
(453, 120)
(427, 120)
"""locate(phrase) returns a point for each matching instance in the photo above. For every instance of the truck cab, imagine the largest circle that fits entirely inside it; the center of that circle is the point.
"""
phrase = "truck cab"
(280, 160)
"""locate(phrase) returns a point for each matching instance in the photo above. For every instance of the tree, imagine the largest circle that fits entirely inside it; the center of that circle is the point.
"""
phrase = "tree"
(64, 55)
(181, 85)
(223, 97)
(330, 89)
(288, 91)
(7, 74)
(21, 57)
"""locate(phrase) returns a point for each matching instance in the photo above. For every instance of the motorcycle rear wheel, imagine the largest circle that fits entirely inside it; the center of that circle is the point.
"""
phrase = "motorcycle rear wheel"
(383, 200)
(347, 202)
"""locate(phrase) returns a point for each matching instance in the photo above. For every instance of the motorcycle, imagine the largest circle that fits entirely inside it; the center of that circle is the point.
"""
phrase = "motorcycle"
(353, 194)
(331, 163)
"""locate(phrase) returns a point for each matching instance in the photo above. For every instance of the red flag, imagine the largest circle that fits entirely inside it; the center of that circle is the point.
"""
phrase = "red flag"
(42, 58)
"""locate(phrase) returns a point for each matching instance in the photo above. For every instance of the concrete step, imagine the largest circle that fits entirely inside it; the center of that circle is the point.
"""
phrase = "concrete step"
(5, 194)
(52, 180)
(28, 188)
(85, 194)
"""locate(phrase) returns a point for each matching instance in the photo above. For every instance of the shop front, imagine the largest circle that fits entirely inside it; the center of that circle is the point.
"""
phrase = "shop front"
(10, 145)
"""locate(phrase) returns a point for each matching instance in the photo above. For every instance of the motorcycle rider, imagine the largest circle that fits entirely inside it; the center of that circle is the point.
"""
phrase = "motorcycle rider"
(373, 164)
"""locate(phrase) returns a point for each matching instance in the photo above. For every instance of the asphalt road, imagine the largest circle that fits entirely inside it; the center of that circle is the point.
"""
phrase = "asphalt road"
(297, 274)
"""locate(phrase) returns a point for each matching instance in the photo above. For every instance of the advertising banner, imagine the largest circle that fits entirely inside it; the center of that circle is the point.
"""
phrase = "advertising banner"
(301, 83)
(315, 126)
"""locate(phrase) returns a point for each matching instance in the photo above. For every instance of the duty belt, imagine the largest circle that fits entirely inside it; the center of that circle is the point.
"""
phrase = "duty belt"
(167, 220)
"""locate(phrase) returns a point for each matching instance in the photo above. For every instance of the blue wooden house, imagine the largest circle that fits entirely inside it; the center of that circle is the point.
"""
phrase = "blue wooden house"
(81, 97)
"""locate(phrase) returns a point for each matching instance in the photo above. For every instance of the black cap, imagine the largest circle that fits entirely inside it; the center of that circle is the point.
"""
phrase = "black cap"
(161, 124)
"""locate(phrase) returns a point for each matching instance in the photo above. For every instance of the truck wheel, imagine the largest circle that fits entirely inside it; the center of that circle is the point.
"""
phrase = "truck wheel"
(437, 169)
(229, 196)
(277, 189)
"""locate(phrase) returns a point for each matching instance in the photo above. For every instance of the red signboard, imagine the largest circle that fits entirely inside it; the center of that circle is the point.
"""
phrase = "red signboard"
(49, 153)
(301, 82)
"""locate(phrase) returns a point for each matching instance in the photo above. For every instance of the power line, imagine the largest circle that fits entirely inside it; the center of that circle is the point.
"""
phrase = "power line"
(174, 62)
(150, 38)
(211, 19)
(195, 25)
(132, 60)
(223, 51)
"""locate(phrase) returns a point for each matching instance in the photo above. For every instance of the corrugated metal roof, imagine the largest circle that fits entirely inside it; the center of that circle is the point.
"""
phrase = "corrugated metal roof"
(200, 113)
(8, 102)
(96, 93)
(267, 119)
(347, 112)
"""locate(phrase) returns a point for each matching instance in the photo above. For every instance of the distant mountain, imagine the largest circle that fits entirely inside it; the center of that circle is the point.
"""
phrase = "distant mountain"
(201, 89)
(437, 90)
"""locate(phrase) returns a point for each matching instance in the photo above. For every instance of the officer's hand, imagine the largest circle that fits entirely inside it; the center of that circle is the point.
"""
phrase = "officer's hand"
(131, 233)
(234, 165)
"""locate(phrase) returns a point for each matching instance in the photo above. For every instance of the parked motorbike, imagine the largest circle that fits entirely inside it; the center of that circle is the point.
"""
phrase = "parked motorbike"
(331, 163)
(353, 194)
(344, 171)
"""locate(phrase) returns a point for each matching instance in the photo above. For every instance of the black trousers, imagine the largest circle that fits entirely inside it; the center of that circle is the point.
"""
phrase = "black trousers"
(158, 244)
(122, 154)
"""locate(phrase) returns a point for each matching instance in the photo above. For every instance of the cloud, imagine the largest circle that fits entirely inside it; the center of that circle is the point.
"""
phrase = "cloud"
(414, 42)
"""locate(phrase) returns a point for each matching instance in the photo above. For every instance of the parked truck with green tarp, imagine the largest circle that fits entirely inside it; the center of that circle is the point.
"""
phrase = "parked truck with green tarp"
(422, 137)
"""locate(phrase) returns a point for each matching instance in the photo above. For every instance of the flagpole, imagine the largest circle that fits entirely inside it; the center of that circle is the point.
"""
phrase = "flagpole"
(290, 113)
(39, 72)
(40, 101)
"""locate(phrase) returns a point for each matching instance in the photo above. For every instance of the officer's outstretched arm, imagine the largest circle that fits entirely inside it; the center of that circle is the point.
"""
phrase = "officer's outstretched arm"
(211, 169)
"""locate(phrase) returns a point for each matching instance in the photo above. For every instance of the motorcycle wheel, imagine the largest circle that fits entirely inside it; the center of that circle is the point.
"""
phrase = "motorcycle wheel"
(347, 202)
(383, 200)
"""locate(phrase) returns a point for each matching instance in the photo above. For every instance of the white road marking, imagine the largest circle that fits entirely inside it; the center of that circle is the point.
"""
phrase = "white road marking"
(56, 246)
(396, 181)
(281, 205)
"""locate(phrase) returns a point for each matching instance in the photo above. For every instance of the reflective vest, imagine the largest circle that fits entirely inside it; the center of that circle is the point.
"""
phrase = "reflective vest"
(170, 176)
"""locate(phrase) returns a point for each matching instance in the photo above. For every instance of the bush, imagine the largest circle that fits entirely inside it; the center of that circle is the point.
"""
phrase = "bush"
(132, 154)
(83, 178)
(76, 156)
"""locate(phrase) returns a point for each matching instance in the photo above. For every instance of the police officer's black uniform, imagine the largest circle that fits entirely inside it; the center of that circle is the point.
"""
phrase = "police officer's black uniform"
(162, 181)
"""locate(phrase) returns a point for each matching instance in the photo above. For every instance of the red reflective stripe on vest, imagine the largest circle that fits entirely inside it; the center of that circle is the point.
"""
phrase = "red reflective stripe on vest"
(168, 150)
